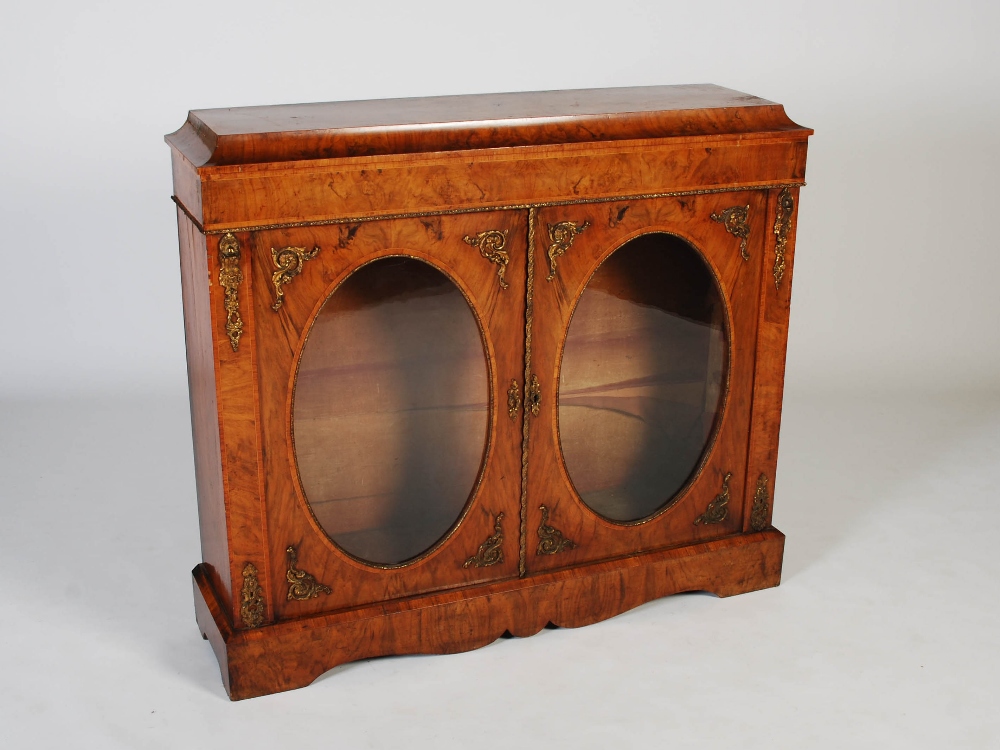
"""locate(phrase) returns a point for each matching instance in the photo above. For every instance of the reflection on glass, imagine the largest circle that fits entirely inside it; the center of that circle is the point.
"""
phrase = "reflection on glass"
(390, 412)
(642, 376)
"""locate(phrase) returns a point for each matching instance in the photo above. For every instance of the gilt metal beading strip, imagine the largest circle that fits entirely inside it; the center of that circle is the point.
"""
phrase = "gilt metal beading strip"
(486, 209)
(522, 563)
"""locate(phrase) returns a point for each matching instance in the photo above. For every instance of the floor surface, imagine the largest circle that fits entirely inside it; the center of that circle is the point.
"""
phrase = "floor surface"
(883, 632)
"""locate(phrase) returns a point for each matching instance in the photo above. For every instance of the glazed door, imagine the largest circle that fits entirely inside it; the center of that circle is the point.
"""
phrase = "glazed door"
(386, 349)
(645, 316)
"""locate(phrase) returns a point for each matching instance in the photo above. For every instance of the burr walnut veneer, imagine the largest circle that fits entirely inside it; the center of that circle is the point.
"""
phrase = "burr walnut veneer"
(468, 366)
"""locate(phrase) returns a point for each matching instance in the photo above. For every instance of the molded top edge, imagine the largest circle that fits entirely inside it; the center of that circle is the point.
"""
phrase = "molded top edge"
(277, 133)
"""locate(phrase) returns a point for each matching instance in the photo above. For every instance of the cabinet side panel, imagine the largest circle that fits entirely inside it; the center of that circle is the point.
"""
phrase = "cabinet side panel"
(772, 341)
(204, 406)
(239, 429)
(187, 184)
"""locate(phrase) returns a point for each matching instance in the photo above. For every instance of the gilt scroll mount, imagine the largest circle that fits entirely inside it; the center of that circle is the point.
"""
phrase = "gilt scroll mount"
(782, 226)
(302, 586)
(288, 262)
(491, 244)
(251, 598)
(734, 219)
(761, 499)
(491, 551)
(551, 540)
(561, 238)
(718, 509)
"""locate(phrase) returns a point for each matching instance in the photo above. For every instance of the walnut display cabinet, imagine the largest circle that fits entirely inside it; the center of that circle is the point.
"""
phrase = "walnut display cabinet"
(468, 366)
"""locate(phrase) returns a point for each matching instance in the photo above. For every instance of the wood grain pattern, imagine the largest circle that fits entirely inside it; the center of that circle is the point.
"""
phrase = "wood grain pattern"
(293, 653)
(769, 376)
(366, 182)
(199, 338)
(359, 187)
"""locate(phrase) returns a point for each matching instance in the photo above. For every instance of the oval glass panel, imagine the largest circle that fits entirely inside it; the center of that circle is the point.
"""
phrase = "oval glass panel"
(391, 410)
(642, 379)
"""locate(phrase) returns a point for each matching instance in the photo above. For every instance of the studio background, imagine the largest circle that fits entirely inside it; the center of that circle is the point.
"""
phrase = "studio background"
(884, 627)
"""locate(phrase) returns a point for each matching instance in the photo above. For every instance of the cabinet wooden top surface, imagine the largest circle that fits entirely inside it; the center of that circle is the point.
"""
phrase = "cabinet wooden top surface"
(280, 133)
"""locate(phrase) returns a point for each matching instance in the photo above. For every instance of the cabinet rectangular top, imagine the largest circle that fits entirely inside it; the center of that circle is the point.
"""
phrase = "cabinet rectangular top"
(278, 133)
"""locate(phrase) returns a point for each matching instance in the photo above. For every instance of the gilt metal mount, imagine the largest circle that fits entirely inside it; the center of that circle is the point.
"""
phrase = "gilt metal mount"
(782, 226)
(758, 513)
(561, 238)
(734, 220)
(288, 262)
(513, 399)
(230, 278)
(491, 551)
(491, 245)
(551, 540)
(302, 586)
(718, 509)
(533, 396)
(251, 598)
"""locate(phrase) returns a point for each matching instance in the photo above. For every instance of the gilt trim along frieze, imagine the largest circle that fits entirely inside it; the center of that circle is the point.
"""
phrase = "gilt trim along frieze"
(782, 226)
(230, 278)
(561, 238)
(251, 598)
(551, 540)
(491, 244)
(734, 219)
(761, 500)
(288, 262)
(576, 201)
(490, 552)
(302, 586)
(718, 509)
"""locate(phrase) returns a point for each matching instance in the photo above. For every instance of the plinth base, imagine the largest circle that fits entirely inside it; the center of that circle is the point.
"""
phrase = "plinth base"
(291, 654)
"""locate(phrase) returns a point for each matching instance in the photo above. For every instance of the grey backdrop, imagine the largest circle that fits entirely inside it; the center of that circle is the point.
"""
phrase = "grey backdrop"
(887, 482)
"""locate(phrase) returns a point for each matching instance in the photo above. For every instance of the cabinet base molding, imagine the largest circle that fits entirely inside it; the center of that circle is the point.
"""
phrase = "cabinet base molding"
(291, 654)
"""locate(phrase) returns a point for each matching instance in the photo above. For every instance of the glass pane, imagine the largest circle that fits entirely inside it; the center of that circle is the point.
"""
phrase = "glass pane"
(642, 376)
(390, 413)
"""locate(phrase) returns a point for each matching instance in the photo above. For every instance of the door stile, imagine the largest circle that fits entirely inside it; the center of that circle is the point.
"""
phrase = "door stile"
(528, 404)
